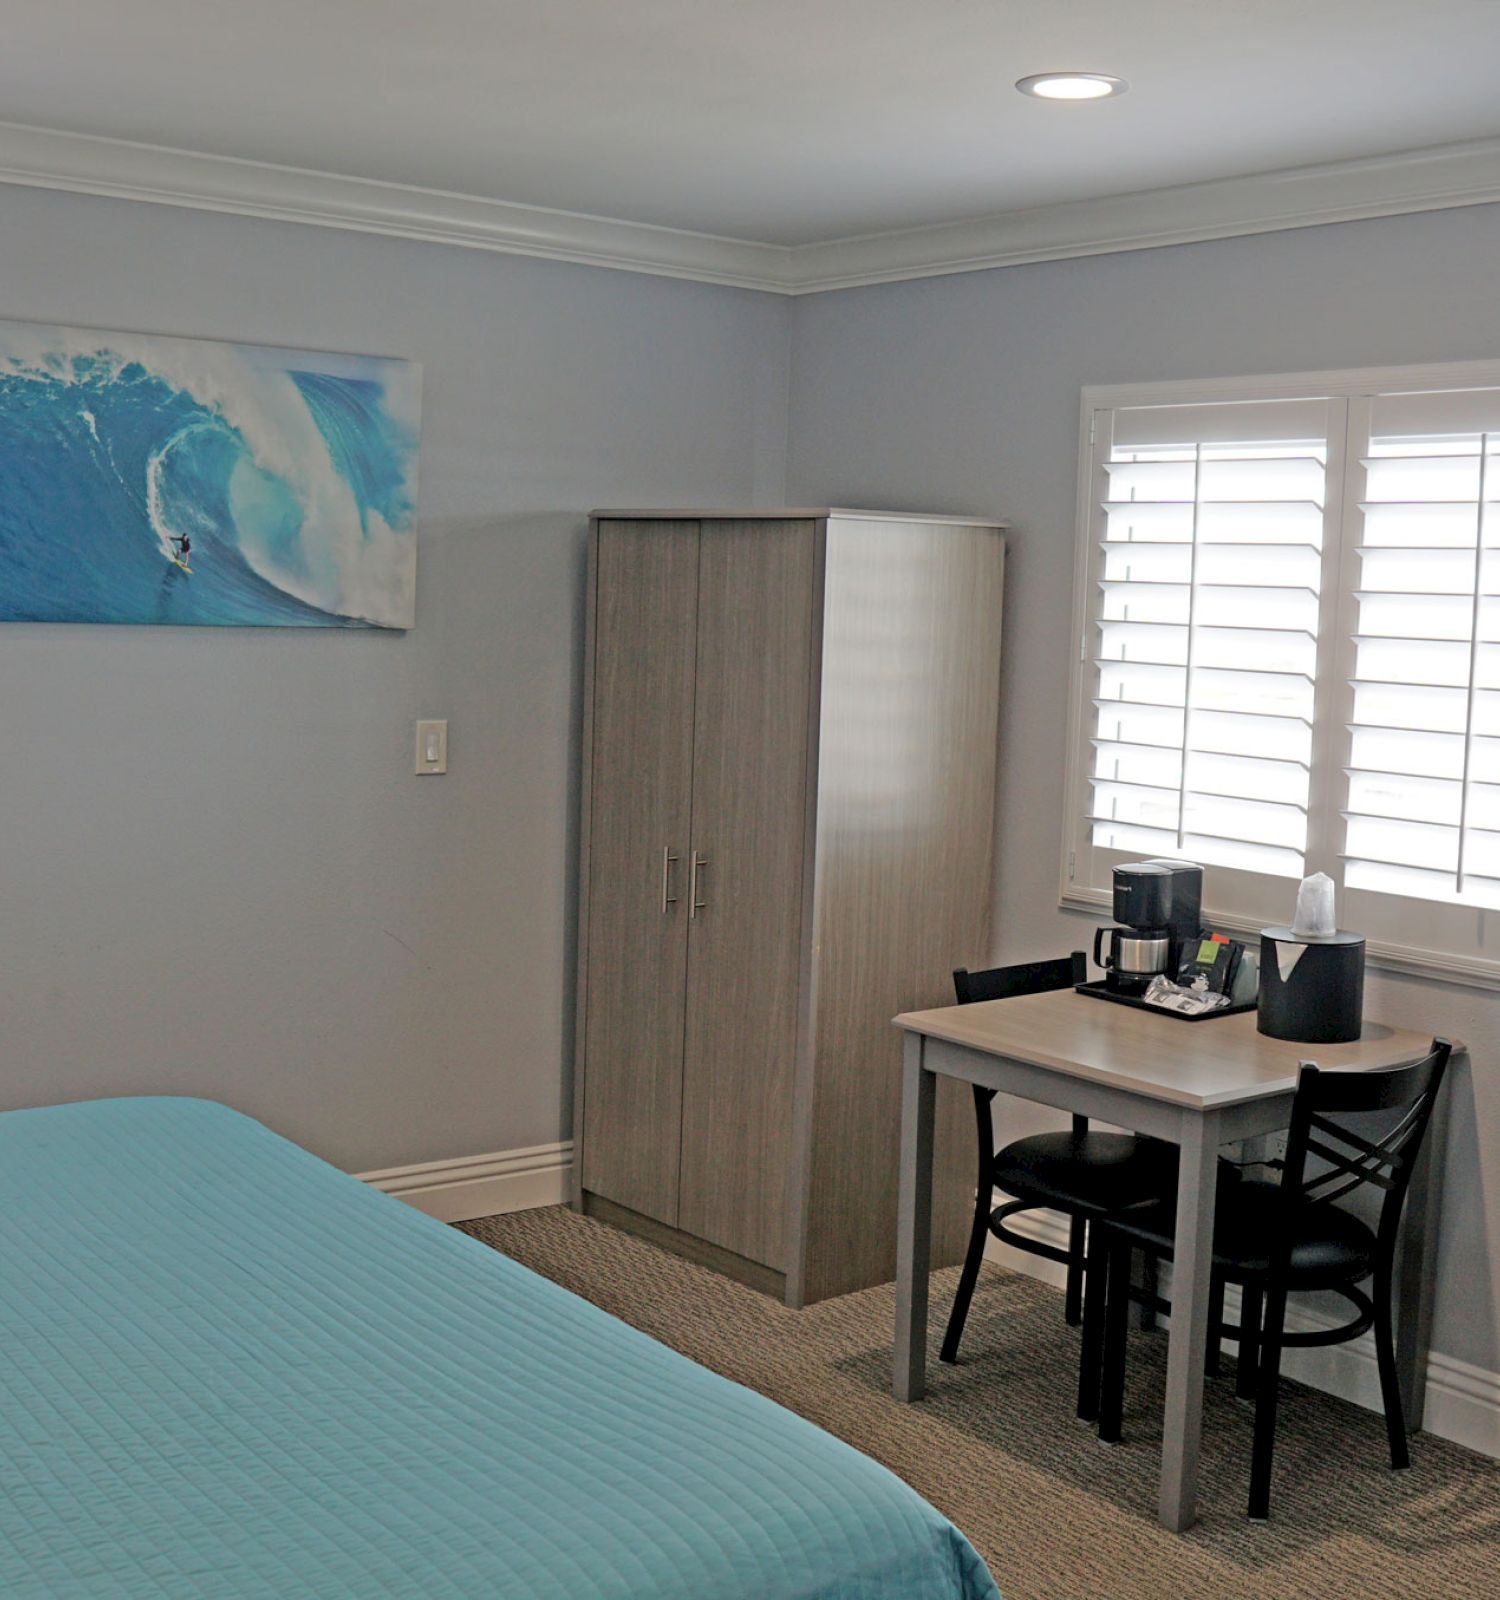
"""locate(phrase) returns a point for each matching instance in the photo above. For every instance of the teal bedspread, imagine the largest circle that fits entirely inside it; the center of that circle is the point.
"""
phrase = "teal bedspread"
(227, 1370)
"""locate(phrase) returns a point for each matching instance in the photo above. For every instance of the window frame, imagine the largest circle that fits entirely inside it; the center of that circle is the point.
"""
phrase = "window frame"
(1350, 389)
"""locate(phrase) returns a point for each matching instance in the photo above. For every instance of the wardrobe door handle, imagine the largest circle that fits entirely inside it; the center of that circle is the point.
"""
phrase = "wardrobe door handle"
(668, 860)
(695, 905)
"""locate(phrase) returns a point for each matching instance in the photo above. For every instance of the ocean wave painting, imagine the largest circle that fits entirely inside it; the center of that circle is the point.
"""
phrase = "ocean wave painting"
(162, 480)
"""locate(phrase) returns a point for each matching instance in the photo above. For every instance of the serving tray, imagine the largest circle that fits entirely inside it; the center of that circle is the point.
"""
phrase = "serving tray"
(1100, 990)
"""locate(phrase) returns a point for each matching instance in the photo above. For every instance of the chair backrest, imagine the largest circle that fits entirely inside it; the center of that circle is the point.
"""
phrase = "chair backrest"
(1361, 1128)
(1010, 983)
(1030, 977)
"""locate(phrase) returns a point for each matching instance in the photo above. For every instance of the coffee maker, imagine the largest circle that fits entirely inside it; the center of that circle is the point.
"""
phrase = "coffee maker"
(1159, 908)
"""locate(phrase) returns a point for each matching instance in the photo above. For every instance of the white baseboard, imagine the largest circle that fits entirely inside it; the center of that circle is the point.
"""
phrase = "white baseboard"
(1463, 1402)
(482, 1186)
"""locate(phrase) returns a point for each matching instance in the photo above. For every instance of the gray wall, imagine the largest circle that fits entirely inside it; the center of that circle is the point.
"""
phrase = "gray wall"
(218, 873)
(961, 394)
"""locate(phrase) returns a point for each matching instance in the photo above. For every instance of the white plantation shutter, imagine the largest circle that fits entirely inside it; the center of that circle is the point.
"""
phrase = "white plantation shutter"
(1209, 574)
(1423, 795)
(1288, 659)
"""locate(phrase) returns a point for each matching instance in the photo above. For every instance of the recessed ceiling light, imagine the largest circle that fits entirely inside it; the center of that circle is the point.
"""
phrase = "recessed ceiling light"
(1072, 86)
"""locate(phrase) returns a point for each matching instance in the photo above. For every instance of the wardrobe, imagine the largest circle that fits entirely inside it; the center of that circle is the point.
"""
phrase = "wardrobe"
(790, 749)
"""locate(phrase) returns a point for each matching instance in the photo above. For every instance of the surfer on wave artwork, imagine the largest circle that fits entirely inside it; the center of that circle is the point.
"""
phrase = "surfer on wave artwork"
(288, 476)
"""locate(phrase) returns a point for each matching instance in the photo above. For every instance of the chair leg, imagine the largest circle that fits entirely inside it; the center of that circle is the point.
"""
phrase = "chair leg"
(1215, 1326)
(1390, 1383)
(1116, 1337)
(1267, 1382)
(1151, 1285)
(959, 1315)
(1077, 1246)
(1095, 1284)
(1250, 1311)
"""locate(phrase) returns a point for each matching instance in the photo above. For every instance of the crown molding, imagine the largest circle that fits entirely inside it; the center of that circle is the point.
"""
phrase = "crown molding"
(44, 158)
(1298, 197)
(1437, 178)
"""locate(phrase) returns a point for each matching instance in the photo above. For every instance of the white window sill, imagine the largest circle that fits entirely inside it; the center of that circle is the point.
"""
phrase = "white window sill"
(1409, 960)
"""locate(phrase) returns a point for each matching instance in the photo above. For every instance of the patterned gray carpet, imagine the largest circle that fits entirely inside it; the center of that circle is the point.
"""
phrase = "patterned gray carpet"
(996, 1448)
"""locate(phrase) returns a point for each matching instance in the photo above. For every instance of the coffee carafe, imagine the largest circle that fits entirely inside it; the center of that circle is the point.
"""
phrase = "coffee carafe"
(1159, 908)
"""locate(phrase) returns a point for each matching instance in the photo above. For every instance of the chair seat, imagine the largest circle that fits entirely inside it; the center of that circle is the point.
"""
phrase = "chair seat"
(1089, 1175)
(1331, 1246)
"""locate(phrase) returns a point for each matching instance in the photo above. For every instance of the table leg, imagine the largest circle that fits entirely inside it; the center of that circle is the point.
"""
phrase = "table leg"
(914, 1224)
(1417, 1266)
(1192, 1264)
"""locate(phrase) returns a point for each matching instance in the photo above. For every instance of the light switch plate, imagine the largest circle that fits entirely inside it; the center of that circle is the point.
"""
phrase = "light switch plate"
(432, 747)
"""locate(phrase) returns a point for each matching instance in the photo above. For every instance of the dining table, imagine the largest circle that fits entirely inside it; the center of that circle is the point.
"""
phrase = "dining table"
(1201, 1084)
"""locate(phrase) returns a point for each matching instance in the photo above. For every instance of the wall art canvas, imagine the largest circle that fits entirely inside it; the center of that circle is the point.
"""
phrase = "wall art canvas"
(162, 480)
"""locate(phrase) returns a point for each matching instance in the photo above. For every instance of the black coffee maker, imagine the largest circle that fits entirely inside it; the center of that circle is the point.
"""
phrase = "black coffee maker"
(1159, 908)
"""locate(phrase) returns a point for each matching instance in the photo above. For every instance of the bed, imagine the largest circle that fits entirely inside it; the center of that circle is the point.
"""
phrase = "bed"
(228, 1370)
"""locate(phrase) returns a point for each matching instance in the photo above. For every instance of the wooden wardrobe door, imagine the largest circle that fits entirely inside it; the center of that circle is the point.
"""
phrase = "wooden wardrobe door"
(755, 616)
(646, 576)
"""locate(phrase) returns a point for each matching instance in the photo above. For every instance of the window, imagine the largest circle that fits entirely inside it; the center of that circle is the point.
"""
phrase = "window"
(1288, 623)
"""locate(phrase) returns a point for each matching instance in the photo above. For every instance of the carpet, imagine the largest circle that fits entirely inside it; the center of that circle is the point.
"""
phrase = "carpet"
(995, 1445)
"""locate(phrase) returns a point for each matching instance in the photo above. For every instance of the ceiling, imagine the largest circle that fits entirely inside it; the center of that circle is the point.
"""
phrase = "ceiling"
(781, 121)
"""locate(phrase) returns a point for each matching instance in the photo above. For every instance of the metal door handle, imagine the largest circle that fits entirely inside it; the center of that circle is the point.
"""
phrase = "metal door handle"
(695, 905)
(668, 861)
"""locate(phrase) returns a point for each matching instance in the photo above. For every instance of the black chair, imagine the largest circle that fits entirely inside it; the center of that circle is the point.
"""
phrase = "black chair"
(1082, 1174)
(1360, 1128)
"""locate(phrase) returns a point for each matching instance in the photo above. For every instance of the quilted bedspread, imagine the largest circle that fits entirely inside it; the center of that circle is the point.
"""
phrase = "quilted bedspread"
(228, 1370)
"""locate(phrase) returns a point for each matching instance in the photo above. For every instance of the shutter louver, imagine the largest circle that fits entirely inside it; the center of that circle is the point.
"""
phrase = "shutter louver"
(1422, 815)
(1207, 632)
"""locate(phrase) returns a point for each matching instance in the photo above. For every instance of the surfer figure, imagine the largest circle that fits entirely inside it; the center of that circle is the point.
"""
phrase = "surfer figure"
(184, 547)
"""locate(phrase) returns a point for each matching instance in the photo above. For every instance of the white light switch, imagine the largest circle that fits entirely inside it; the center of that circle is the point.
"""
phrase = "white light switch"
(432, 747)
